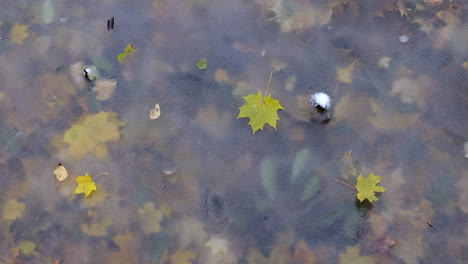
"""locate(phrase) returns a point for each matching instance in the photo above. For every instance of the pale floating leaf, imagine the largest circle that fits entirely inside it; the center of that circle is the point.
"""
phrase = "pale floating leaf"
(60, 173)
(202, 63)
(155, 113)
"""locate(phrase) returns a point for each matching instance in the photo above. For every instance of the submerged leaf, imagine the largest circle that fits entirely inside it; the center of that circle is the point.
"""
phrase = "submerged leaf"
(303, 158)
(60, 172)
(217, 245)
(345, 74)
(18, 34)
(367, 187)
(86, 185)
(352, 256)
(13, 209)
(150, 218)
(183, 257)
(268, 177)
(26, 247)
(310, 189)
(91, 133)
(97, 228)
(202, 63)
(48, 12)
(260, 110)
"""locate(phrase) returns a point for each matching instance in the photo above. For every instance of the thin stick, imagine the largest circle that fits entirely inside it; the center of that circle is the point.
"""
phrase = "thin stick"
(269, 82)
(100, 174)
(347, 185)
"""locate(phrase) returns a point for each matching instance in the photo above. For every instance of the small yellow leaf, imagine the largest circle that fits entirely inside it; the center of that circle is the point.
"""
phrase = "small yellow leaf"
(127, 53)
(345, 74)
(18, 34)
(60, 172)
(13, 209)
(367, 187)
(86, 185)
(155, 113)
(150, 218)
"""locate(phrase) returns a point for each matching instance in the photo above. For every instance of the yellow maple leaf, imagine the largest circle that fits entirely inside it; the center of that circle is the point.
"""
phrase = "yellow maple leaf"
(85, 185)
(367, 187)
(91, 133)
(261, 110)
(18, 34)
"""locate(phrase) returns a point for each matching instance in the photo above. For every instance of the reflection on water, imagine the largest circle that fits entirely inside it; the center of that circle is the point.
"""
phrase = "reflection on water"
(195, 185)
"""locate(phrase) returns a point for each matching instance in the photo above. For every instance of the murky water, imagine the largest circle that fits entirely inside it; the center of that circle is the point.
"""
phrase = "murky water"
(195, 185)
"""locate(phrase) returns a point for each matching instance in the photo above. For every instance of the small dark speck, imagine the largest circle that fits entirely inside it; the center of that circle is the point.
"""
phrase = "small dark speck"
(265, 218)
(429, 224)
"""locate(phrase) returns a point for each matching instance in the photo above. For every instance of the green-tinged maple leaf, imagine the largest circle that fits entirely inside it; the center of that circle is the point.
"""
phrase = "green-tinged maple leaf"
(202, 63)
(367, 187)
(85, 185)
(260, 110)
(128, 51)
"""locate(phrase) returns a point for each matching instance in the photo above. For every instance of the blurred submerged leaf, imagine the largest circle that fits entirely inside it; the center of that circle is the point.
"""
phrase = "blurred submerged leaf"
(260, 110)
(150, 218)
(268, 177)
(303, 254)
(60, 173)
(101, 63)
(183, 257)
(18, 34)
(26, 247)
(96, 228)
(128, 52)
(86, 185)
(202, 63)
(104, 88)
(303, 158)
(345, 74)
(310, 189)
(217, 245)
(48, 12)
(13, 209)
(367, 187)
(352, 256)
(91, 133)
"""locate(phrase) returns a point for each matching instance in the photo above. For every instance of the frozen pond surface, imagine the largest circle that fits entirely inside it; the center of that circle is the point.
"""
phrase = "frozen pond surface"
(195, 185)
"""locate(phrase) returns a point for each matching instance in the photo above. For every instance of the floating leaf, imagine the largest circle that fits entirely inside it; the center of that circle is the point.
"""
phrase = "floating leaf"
(300, 163)
(345, 74)
(86, 185)
(18, 34)
(91, 133)
(127, 53)
(26, 247)
(352, 256)
(155, 113)
(310, 189)
(260, 110)
(13, 209)
(268, 177)
(202, 63)
(367, 187)
(60, 172)
(150, 218)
